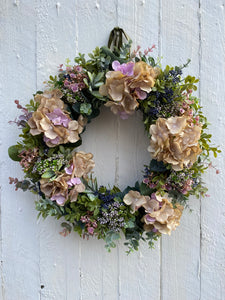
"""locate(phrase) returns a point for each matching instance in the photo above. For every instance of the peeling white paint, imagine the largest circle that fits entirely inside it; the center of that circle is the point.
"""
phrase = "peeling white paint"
(58, 5)
(16, 3)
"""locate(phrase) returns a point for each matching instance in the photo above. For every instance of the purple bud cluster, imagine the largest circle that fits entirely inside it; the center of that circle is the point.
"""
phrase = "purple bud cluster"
(21, 121)
(28, 157)
(112, 218)
(181, 181)
(89, 224)
(74, 79)
(163, 105)
(107, 198)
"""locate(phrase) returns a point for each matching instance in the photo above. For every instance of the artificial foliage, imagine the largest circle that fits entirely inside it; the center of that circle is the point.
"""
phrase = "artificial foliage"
(52, 128)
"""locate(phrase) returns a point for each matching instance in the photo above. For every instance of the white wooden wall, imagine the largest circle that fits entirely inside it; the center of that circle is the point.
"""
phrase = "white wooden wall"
(38, 263)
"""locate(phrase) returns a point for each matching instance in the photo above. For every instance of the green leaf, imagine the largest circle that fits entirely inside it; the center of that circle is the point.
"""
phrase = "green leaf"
(48, 174)
(76, 107)
(99, 76)
(115, 236)
(130, 224)
(92, 197)
(96, 85)
(145, 190)
(13, 152)
(157, 166)
(98, 95)
(85, 108)
(62, 149)
(86, 82)
(91, 76)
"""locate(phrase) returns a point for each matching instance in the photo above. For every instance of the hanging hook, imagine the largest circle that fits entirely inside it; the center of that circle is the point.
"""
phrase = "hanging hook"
(116, 38)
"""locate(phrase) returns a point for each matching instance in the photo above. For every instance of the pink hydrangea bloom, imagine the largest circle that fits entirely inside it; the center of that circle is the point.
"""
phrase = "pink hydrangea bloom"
(69, 170)
(60, 199)
(53, 141)
(141, 94)
(58, 117)
(149, 218)
(74, 181)
(126, 69)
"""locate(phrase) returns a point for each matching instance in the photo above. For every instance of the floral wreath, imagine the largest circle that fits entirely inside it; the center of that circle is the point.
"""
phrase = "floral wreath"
(53, 124)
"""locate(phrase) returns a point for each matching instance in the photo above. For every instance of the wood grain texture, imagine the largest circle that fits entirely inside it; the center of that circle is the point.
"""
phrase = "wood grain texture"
(20, 244)
(36, 261)
(181, 251)
(213, 96)
(59, 257)
(133, 154)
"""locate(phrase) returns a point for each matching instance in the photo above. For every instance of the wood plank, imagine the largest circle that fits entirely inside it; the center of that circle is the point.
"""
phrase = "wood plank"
(20, 243)
(181, 251)
(212, 95)
(99, 270)
(140, 20)
(33, 255)
(59, 256)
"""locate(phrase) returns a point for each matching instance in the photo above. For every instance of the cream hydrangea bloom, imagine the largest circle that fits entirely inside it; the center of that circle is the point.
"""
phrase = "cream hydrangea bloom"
(135, 200)
(144, 77)
(163, 217)
(160, 214)
(57, 186)
(51, 119)
(175, 141)
(82, 164)
(125, 88)
(68, 184)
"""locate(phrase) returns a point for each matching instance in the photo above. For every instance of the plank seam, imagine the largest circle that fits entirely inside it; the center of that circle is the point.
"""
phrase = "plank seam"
(36, 87)
(159, 54)
(1, 263)
(77, 51)
(200, 209)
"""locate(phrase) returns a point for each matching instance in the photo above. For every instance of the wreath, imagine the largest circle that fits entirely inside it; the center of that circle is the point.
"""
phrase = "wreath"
(53, 125)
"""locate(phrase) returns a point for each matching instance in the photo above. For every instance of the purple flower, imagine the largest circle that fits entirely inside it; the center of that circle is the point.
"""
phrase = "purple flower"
(25, 117)
(153, 196)
(66, 83)
(72, 75)
(152, 185)
(59, 198)
(58, 117)
(149, 218)
(74, 181)
(146, 180)
(91, 230)
(74, 87)
(69, 170)
(141, 94)
(79, 69)
(53, 141)
(126, 69)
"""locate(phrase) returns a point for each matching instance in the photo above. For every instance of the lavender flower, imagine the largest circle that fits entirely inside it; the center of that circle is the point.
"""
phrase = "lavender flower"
(112, 218)
(58, 117)
(125, 69)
